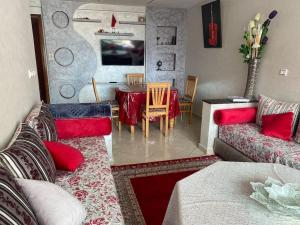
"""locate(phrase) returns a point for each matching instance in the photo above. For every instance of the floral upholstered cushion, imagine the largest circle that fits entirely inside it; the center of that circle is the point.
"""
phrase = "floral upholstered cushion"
(247, 139)
(297, 136)
(93, 183)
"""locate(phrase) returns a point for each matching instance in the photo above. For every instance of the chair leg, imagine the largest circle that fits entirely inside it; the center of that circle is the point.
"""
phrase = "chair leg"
(161, 123)
(132, 129)
(147, 127)
(120, 125)
(172, 123)
(191, 114)
(143, 125)
(167, 126)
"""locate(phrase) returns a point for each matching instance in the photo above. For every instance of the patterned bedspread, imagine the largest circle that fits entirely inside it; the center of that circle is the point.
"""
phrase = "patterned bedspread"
(93, 183)
(247, 139)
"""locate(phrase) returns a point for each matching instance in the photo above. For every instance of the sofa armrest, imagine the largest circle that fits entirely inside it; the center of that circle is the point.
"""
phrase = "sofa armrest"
(83, 127)
(235, 116)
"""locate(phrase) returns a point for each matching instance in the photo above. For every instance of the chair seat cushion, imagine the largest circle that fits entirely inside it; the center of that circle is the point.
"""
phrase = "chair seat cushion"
(113, 103)
(185, 100)
(246, 138)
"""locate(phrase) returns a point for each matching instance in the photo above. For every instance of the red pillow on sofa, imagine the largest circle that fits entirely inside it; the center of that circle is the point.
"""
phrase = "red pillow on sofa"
(83, 127)
(64, 156)
(278, 125)
(235, 116)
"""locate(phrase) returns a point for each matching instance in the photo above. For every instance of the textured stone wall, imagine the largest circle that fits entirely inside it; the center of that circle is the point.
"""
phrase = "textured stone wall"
(73, 49)
(168, 18)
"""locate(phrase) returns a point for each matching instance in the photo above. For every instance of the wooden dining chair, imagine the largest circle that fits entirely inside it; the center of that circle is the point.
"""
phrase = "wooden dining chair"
(156, 106)
(186, 102)
(115, 108)
(135, 79)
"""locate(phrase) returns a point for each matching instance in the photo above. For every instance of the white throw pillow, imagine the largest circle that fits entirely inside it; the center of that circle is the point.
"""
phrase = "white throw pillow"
(51, 204)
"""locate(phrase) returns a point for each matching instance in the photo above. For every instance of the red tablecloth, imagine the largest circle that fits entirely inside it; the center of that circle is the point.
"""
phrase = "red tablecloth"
(132, 98)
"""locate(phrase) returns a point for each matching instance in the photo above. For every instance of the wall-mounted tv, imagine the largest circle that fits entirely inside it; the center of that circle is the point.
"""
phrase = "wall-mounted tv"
(122, 52)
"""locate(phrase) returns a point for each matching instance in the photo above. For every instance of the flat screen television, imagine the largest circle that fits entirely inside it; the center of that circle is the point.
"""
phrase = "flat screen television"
(122, 52)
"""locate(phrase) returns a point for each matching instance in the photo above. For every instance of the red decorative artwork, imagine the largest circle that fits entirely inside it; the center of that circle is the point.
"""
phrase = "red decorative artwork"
(211, 17)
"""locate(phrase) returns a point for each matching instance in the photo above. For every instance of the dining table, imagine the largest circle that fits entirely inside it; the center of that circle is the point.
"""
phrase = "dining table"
(132, 101)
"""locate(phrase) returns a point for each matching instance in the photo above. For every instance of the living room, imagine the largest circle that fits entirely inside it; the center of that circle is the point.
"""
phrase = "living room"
(149, 112)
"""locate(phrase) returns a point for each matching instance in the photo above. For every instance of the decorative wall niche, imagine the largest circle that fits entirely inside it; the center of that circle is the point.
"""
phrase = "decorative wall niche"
(168, 62)
(166, 35)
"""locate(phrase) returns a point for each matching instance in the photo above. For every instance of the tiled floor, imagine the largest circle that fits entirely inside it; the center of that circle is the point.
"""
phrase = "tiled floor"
(181, 143)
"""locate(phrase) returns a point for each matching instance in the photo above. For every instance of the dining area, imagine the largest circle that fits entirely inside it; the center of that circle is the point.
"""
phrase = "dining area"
(137, 102)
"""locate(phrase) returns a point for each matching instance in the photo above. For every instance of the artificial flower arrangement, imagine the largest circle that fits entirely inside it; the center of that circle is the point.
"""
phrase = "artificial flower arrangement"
(256, 37)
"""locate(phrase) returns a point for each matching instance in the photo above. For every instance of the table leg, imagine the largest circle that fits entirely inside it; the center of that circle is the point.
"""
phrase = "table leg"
(132, 129)
(172, 123)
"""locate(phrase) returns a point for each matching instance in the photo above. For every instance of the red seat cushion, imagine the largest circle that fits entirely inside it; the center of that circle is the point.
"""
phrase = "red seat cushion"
(278, 125)
(85, 127)
(64, 156)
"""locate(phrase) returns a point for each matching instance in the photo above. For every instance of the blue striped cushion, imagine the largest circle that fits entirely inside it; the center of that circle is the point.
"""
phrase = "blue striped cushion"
(27, 157)
(14, 208)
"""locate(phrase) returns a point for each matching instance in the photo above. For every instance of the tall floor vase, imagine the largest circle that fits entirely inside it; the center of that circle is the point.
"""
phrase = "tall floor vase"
(253, 66)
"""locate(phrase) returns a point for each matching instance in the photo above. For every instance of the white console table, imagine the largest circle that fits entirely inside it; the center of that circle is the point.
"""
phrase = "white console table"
(209, 130)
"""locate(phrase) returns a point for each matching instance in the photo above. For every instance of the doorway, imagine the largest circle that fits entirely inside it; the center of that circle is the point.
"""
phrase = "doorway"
(39, 47)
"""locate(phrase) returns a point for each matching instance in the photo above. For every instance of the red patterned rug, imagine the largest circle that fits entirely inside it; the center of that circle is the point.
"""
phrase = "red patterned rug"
(145, 189)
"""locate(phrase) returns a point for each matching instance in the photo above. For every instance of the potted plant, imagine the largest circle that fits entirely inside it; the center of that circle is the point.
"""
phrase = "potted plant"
(255, 38)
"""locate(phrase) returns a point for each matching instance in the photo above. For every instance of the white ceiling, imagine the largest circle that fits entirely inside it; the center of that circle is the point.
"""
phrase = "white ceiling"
(162, 3)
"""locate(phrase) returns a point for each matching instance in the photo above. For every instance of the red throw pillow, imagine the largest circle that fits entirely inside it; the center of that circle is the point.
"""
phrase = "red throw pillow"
(64, 156)
(278, 125)
(85, 127)
(235, 116)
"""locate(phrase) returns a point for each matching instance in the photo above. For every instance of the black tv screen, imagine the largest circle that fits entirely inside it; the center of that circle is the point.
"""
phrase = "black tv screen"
(122, 52)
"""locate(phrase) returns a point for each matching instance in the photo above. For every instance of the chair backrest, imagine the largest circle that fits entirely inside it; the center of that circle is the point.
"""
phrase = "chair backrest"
(95, 90)
(135, 79)
(156, 94)
(191, 87)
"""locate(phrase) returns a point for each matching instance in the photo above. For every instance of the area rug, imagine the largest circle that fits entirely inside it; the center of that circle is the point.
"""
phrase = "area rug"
(144, 189)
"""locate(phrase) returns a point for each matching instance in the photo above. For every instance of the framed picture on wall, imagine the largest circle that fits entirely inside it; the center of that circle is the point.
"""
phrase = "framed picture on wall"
(211, 19)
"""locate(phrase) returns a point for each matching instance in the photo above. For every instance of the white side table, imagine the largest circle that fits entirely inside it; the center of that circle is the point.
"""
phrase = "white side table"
(209, 130)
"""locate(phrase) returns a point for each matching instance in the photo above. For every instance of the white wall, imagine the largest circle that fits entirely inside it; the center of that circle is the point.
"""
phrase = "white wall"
(35, 6)
(221, 71)
(18, 93)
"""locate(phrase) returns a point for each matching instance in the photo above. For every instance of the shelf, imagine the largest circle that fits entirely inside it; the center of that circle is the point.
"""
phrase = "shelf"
(114, 34)
(166, 35)
(132, 22)
(86, 20)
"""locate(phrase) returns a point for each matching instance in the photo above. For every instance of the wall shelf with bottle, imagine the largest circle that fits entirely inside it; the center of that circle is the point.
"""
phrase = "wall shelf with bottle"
(114, 34)
(166, 35)
(86, 20)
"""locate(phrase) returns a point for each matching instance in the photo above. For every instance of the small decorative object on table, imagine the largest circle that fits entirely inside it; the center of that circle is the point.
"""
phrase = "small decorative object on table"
(279, 198)
(252, 50)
